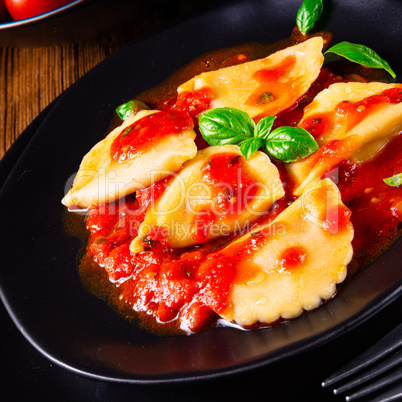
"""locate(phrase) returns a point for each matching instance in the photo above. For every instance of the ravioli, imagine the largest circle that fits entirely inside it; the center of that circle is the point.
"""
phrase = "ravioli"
(101, 178)
(349, 120)
(201, 246)
(293, 263)
(216, 193)
(266, 86)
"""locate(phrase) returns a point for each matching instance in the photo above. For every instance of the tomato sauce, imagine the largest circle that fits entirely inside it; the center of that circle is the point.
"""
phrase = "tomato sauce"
(232, 190)
(113, 226)
(292, 115)
(233, 187)
(352, 113)
(332, 153)
(193, 103)
(375, 206)
(176, 291)
(270, 88)
(293, 257)
(146, 132)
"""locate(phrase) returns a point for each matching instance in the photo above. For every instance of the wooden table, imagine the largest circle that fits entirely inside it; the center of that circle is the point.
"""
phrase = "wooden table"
(30, 78)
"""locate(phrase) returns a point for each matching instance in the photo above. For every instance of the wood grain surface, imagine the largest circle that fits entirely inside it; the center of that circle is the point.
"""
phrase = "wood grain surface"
(30, 78)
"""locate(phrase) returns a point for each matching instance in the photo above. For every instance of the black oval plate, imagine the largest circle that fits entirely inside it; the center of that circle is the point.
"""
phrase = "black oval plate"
(39, 281)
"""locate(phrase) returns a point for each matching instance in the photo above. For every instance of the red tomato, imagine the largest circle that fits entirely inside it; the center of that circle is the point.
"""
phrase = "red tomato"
(22, 9)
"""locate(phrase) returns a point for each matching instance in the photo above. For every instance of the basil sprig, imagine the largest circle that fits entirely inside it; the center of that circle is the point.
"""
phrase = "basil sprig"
(394, 181)
(130, 108)
(309, 13)
(226, 125)
(359, 54)
(290, 143)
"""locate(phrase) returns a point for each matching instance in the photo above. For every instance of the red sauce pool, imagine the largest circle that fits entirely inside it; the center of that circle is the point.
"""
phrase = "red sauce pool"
(375, 206)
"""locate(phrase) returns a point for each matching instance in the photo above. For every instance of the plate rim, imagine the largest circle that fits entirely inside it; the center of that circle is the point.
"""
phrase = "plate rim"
(316, 341)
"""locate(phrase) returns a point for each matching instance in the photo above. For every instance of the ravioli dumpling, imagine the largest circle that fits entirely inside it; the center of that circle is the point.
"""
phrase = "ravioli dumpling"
(216, 193)
(293, 263)
(146, 148)
(266, 86)
(349, 120)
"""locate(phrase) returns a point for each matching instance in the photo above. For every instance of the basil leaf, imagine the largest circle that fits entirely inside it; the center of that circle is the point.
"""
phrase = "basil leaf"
(248, 147)
(309, 13)
(226, 125)
(290, 143)
(223, 126)
(264, 127)
(394, 181)
(131, 108)
(359, 54)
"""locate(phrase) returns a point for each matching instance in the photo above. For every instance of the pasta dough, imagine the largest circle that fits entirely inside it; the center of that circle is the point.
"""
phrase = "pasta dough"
(358, 136)
(272, 283)
(101, 180)
(189, 195)
(266, 86)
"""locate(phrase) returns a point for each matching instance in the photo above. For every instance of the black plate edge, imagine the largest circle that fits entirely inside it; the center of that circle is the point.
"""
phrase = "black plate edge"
(369, 312)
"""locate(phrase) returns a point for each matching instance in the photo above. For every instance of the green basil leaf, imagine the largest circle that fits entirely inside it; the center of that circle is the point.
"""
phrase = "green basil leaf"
(394, 181)
(359, 54)
(264, 127)
(290, 143)
(248, 147)
(131, 108)
(309, 13)
(226, 125)
(223, 126)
